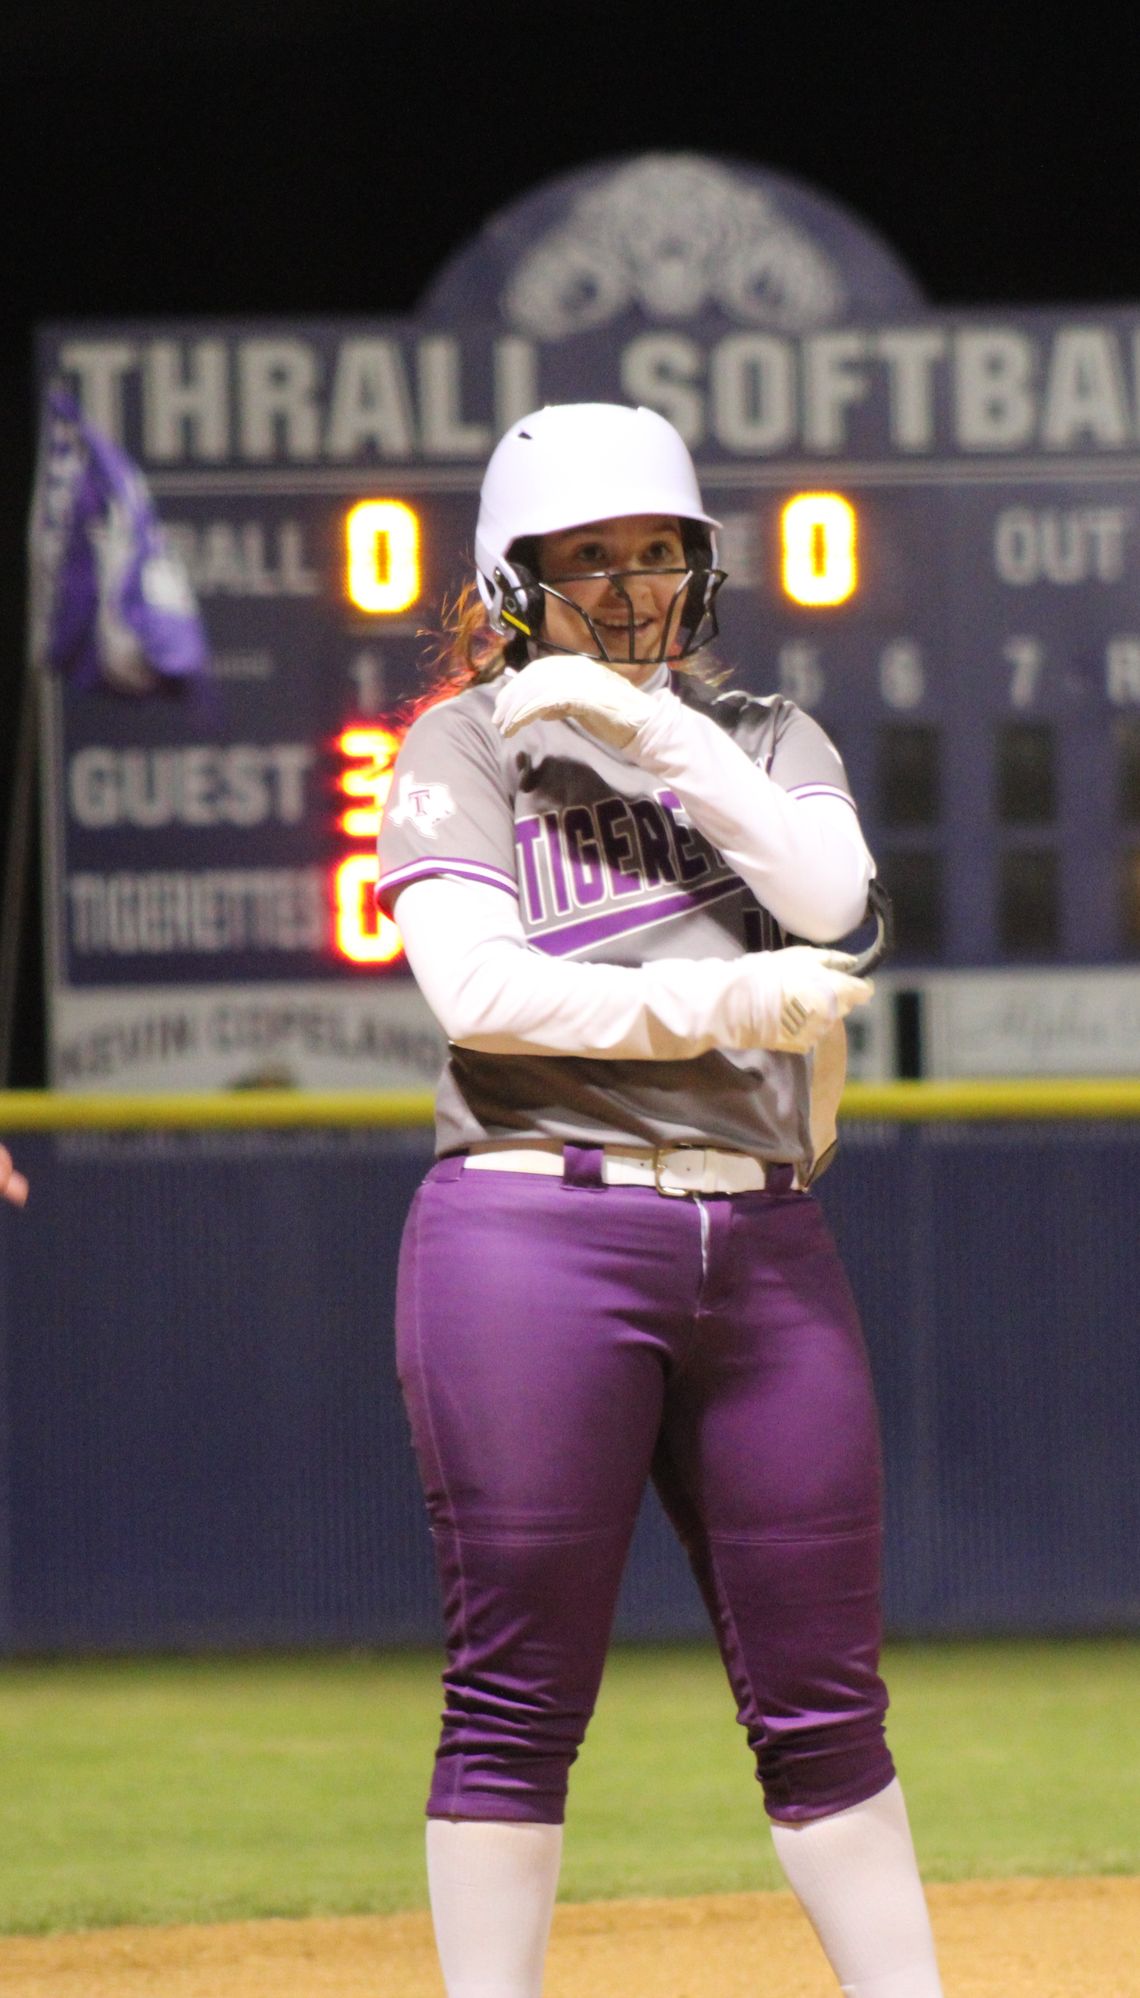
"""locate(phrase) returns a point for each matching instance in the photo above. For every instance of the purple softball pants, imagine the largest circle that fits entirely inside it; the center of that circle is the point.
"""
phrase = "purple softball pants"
(561, 1342)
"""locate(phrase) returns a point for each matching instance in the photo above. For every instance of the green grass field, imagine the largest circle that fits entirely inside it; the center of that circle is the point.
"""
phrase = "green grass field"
(210, 1789)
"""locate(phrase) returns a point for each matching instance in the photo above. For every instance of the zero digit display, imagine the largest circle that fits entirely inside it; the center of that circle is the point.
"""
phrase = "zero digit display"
(363, 934)
(382, 541)
(819, 564)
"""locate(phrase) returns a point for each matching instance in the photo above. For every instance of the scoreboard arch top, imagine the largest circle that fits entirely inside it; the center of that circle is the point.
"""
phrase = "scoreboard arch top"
(931, 524)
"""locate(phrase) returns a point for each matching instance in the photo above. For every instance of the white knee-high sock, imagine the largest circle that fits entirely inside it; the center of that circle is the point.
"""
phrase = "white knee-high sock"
(856, 1877)
(492, 1888)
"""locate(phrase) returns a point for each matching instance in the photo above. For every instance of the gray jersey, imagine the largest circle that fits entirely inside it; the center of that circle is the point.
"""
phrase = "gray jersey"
(606, 868)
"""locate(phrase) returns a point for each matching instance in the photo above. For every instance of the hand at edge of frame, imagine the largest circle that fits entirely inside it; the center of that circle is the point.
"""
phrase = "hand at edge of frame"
(13, 1185)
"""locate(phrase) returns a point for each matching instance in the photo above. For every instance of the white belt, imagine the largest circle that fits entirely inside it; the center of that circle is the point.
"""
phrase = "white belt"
(677, 1170)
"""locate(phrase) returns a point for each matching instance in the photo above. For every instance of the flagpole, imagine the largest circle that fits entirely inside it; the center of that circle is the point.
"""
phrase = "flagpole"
(17, 860)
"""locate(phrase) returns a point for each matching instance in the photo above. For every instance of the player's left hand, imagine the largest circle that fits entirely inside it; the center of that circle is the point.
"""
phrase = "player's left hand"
(570, 687)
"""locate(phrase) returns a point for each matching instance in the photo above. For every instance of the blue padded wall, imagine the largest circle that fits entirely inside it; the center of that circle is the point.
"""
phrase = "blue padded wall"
(202, 1444)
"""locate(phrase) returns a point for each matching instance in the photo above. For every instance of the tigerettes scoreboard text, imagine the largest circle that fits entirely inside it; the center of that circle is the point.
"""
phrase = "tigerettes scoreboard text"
(932, 537)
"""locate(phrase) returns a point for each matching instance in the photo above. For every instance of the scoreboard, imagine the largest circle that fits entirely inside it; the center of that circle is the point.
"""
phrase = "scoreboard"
(931, 524)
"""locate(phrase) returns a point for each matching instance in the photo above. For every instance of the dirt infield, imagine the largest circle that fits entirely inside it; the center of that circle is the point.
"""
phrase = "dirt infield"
(997, 1939)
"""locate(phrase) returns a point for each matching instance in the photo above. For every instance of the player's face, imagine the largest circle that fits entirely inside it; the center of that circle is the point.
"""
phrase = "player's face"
(634, 606)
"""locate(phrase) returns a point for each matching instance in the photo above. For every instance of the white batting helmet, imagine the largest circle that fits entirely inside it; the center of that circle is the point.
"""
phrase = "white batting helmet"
(583, 461)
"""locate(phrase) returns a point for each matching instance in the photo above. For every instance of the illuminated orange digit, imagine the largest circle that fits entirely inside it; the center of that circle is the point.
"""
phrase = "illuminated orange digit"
(374, 749)
(363, 934)
(382, 539)
(819, 563)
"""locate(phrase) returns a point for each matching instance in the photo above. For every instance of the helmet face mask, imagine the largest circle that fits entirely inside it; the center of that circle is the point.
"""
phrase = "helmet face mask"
(574, 463)
(673, 625)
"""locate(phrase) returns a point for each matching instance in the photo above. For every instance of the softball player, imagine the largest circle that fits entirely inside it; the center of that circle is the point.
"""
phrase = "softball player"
(614, 1271)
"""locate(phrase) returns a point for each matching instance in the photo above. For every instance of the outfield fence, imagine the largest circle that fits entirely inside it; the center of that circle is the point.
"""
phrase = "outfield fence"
(201, 1439)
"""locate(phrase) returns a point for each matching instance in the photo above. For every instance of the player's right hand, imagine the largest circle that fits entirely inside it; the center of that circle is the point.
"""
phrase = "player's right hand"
(804, 991)
(571, 687)
(13, 1185)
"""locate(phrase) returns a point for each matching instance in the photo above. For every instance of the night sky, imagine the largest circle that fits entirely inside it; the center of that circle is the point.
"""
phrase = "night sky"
(285, 156)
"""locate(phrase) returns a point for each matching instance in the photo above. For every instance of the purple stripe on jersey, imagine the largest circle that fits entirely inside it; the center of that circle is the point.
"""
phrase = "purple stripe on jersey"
(621, 922)
(820, 791)
(422, 870)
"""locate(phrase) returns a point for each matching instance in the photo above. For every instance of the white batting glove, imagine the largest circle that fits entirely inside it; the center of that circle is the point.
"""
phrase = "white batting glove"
(570, 687)
(801, 993)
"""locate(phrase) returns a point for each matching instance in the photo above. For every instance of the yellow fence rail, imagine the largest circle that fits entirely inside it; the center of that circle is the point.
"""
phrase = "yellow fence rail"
(262, 1109)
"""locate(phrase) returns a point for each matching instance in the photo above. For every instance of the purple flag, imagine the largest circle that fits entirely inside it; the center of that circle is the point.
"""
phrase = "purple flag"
(111, 605)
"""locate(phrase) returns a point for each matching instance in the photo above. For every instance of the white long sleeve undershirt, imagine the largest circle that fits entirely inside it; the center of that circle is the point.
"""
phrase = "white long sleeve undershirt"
(802, 854)
(490, 990)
